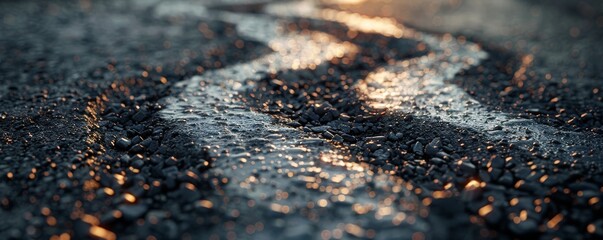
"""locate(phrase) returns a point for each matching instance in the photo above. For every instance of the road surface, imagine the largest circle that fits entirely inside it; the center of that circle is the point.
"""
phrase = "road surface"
(301, 119)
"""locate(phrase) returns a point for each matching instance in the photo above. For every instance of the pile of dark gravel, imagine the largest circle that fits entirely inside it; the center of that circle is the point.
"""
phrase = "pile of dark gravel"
(511, 190)
(83, 151)
(518, 84)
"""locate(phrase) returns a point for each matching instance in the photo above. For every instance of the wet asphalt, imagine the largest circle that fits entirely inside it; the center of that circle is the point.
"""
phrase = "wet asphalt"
(246, 120)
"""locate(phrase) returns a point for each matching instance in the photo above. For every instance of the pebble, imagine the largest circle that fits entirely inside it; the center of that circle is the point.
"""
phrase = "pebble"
(437, 161)
(376, 138)
(468, 168)
(328, 135)
(294, 124)
(141, 115)
(137, 164)
(348, 138)
(138, 148)
(123, 143)
(418, 148)
(497, 162)
(506, 179)
(433, 147)
(137, 139)
(320, 129)
(381, 154)
(132, 212)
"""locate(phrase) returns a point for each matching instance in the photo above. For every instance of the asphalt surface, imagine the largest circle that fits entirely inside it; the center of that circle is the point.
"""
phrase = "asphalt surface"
(301, 120)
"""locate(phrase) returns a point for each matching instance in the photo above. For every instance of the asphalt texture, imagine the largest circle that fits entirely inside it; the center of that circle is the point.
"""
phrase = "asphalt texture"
(301, 120)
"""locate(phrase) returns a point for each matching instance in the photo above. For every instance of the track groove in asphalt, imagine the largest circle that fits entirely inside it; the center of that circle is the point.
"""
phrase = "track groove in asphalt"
(290, 165)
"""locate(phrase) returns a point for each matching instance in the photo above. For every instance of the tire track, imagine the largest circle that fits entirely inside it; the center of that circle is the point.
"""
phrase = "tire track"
(283, 173)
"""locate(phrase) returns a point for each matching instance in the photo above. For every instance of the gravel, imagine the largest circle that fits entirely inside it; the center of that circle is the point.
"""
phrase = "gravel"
(85, 153)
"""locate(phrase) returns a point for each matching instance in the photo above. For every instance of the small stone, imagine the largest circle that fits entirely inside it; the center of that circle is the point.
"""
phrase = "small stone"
(326, 118)
(310, 115)
(125, 158)
(187, 195)
(138, 148)
(484, 175)
(348, 138)
(495, 173)
(528, 186)
(294, 124)
(433, 147)
(320, 129)
(141, 115)
(381, 154)
(392, 137)
(372, 146)
(170, 170)
(444, 156)
(147, 142)
(522, 172)
(328, 135)
(506, 179)
(138, 164)
(376, 138)
(132, 212)
(468, 168)
(123, 143)
(137, 139)
(321, 109)
(437, 161)
(497, 163)
(533, 110)
(418, 148)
